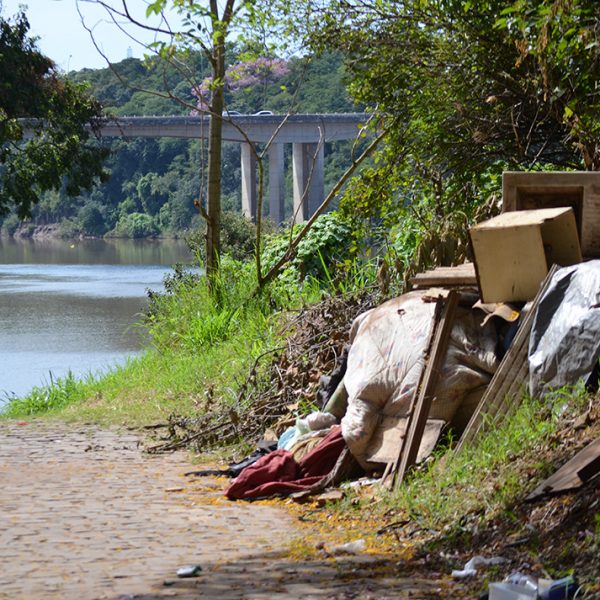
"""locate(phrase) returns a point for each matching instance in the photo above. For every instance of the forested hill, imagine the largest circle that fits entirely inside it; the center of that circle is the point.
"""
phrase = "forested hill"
(153, 182)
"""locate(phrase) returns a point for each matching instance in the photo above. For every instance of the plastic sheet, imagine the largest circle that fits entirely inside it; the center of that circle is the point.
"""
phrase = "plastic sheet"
(564, 344)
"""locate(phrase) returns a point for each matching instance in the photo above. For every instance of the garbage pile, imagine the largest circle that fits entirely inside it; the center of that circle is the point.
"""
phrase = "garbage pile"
(455, 352)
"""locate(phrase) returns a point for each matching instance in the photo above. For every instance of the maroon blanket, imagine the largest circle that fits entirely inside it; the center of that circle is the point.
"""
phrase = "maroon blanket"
(278, 473)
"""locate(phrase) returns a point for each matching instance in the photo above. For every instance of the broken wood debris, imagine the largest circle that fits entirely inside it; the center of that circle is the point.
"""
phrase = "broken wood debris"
(458, 276)
(583, 467)
(502, 395)
(437, 346)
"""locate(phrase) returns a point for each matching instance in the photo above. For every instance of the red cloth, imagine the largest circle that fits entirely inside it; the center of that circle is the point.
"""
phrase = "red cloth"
(278, 473)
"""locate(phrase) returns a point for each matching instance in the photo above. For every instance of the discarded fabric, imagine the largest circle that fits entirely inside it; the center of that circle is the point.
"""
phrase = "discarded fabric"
(279, 474)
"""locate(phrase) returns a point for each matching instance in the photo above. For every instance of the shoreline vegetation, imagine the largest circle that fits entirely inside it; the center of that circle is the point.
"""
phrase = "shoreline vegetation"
(54, 231)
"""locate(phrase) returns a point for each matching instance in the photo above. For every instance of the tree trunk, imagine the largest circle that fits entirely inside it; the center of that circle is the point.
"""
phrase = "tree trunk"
(215, 135)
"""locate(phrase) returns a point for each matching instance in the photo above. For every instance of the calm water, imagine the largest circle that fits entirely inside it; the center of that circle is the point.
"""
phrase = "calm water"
(73, 305)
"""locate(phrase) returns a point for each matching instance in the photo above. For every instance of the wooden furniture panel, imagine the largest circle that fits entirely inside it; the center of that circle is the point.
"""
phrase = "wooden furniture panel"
(578, 189)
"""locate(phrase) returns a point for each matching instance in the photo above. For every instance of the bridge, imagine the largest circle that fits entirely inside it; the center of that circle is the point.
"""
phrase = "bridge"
(307, 133)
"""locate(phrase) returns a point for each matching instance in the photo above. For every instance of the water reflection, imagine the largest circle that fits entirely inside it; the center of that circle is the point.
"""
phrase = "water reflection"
(73, 306)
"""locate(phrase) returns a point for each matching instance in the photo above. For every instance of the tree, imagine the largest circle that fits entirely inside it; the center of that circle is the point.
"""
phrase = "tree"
(475, 87)
(57, 151)
(477, 82)
(205, 26)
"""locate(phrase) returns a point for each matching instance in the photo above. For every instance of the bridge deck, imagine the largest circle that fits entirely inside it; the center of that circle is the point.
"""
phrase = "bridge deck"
(303, 129)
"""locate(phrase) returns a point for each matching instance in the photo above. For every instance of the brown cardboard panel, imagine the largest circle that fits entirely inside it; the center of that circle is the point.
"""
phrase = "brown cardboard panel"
(387, 438)
(514, 251)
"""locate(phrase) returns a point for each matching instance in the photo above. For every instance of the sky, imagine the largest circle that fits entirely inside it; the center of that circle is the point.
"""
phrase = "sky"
(65, 40)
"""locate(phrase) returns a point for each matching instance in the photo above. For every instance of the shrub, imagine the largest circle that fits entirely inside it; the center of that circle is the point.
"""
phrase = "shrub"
(136, 225)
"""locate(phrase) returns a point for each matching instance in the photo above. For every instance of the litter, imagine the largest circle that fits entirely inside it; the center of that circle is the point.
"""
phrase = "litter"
(354, 547)
(564, 346)
(583, 467)
(279, 474)
(471, 566)
(521, 587)
(189, 571)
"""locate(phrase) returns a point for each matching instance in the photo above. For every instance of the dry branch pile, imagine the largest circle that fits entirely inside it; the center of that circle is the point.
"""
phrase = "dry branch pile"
(280, 384)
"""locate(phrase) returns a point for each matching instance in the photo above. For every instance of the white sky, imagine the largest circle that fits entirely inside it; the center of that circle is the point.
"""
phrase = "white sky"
(64, 39)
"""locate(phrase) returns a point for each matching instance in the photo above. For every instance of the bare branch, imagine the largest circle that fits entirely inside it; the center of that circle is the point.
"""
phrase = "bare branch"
(292, 248)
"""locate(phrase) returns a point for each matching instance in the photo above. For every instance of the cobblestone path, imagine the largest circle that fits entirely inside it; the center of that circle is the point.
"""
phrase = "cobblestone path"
(85, 515)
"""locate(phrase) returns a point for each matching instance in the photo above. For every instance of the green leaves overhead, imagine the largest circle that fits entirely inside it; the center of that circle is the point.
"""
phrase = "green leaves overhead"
(57, 146)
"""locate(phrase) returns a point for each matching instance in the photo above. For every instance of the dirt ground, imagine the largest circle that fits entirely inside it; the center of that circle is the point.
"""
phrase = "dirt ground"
(85, 514)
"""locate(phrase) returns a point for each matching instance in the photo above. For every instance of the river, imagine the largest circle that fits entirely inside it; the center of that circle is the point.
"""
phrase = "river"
(74, 305)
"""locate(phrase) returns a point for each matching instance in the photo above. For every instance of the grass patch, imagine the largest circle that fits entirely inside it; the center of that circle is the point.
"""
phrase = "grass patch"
(452, 492)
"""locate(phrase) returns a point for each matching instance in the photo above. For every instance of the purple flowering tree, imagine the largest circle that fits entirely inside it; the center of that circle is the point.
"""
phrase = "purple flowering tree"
(259, 72)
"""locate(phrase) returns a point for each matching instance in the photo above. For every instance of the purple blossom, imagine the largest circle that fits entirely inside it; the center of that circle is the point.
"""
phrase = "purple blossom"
(261, 71)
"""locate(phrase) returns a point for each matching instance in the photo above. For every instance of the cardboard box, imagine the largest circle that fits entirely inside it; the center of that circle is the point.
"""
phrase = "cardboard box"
(514, 251)
(578, 189)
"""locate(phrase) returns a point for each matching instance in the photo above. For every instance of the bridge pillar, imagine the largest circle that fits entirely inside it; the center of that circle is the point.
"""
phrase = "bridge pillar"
(248, 181)
(276, 184)
(309, 182)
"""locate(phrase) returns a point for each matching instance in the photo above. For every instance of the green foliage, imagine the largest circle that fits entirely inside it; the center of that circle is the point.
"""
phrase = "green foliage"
(135, 225)
(30, 87)
(453, 489)
(475, 88)
(325, 250)
(238, 237)
(10, 224)
(55, 396)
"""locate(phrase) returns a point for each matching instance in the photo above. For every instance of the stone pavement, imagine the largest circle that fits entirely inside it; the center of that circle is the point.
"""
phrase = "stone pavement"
(85, 515)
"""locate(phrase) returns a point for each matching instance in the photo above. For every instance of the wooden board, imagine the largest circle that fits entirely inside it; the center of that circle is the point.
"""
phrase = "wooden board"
(581, 468)
(388, 436)
(514, 251)
(506, 388)
(578, 189)
(418, 414)
(460, 275)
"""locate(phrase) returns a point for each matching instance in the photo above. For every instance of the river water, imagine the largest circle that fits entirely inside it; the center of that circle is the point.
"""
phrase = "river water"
(74, 306)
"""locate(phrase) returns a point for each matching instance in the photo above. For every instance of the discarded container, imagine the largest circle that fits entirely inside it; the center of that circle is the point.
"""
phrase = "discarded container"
(561, 589)
(578, 189)
(523, 587)
(189, 571)
(514, 251)
(505, 590)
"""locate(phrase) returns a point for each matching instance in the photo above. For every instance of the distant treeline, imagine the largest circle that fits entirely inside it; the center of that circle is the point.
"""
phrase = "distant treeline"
(153, 182)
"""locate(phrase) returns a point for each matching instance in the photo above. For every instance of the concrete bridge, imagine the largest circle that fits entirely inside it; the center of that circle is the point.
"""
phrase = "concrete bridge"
(307, 134)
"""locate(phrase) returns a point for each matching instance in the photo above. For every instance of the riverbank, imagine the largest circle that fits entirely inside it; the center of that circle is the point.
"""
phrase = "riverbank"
(55, 231)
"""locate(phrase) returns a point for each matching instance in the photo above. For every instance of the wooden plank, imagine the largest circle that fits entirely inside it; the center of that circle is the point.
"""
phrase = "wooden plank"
(391, 469)
(417, 418)
(460, 275)
(506, 387)
(581, 468)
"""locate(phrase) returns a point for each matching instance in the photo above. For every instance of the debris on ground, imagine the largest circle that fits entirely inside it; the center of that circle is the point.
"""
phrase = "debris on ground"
(458, 356)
